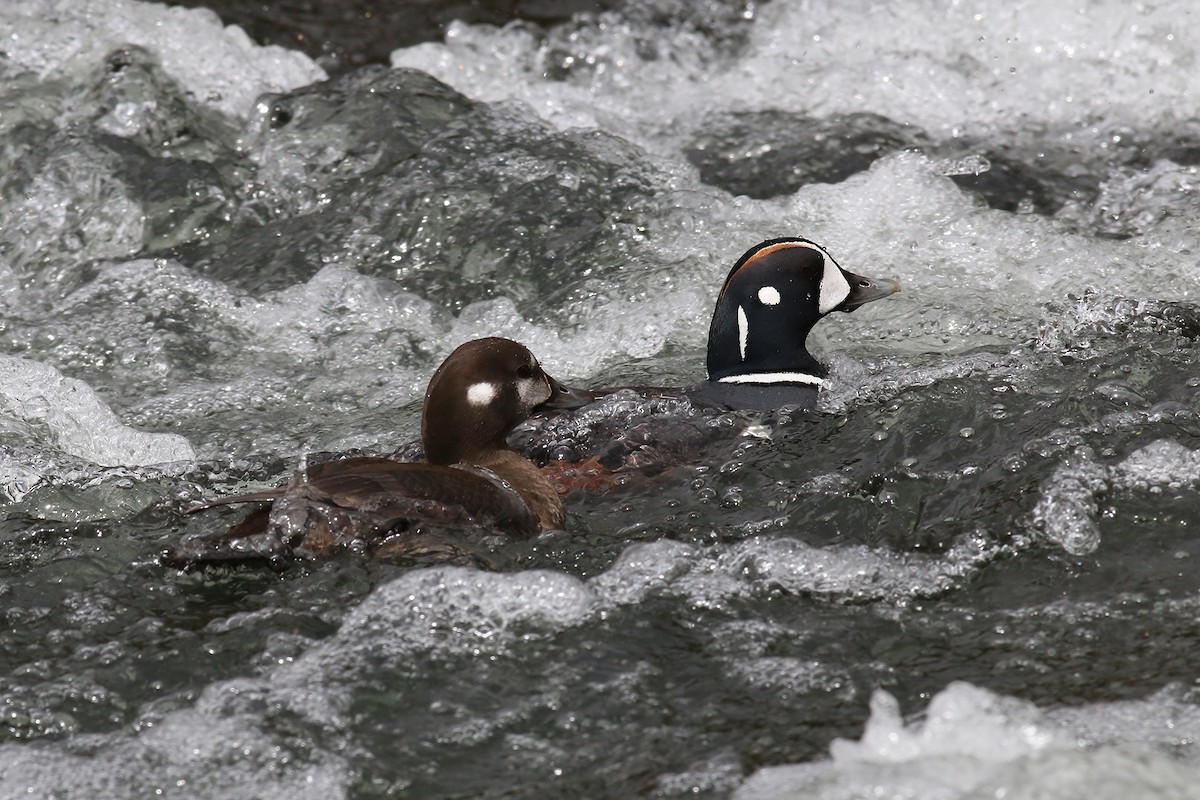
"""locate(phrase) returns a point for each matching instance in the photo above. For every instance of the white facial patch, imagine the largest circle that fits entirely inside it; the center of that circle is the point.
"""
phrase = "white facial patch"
(533, 391)
(743, 331)
(834, 287)
(768, 296)
(480, 394)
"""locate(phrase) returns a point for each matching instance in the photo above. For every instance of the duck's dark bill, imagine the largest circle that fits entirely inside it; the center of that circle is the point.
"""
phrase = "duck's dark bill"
(864, 290)
(562, 397)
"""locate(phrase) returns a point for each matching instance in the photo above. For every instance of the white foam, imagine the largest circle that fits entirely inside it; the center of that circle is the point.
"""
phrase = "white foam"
(973, 743)
(973, 64)
(759, 564)
(220, 66)
(1067, 512)
(195, 752)
(616, 330)
(73, 419)
(73, 210)
(943, 66)
(1162, 464)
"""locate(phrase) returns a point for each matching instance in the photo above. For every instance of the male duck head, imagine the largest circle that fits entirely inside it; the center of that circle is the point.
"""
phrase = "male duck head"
(772, 298)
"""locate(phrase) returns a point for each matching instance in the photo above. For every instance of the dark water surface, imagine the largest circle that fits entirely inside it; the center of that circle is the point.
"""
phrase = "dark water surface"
(990, 517)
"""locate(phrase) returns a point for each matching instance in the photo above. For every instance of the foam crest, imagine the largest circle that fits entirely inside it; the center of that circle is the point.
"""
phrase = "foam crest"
(711, 577)
(73, 210)
(439, 614)
(643, 569)
(187, 752)
(218, 65)
(67, 415)
(334, 312)
(620, 330)
(973, 743)
(986, 66)
(986, 63)
(960, 720)
(847, 574)
(1163, 464)
(1067, 513)
(451, 607)
(1138, 202)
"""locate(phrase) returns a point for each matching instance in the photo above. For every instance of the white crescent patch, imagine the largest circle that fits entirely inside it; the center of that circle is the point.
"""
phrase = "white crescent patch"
(532, 392)
(743, 331)
(834, 287)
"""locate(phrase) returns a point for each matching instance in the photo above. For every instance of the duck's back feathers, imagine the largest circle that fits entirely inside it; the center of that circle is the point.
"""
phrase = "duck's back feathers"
(388, 487)
(361, 504)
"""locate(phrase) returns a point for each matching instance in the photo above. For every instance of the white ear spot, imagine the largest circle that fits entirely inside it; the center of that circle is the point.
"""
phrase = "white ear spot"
(768, 296)
(480, 394)
(743, 331)
(834, 288)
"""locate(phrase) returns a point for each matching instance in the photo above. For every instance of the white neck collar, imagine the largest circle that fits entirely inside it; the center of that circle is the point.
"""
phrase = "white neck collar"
(773, 377)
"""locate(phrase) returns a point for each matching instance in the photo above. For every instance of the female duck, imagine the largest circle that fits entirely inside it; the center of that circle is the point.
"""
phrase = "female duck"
(470, 479)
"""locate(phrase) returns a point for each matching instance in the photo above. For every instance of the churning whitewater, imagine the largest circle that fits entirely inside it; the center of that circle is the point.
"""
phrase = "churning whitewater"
(968, 572)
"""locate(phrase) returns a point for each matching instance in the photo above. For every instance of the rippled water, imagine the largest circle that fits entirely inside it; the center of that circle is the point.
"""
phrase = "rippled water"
(968, 573)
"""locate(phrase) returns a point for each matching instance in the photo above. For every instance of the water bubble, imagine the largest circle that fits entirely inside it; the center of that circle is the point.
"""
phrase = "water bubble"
(1013, 463)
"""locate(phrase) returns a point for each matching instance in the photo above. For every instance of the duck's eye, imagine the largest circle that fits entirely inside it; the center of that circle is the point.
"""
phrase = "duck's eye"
(524, 371)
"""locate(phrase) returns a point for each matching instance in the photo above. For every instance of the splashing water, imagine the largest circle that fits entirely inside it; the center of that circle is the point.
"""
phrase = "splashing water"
(216, 260)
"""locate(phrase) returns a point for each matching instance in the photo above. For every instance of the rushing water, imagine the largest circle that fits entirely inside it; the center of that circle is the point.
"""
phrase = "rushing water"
(968, 574)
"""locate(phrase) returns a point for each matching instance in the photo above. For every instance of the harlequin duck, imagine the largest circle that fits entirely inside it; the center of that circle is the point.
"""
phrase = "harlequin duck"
(774, 295)
(757, 360)
(469, 479)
